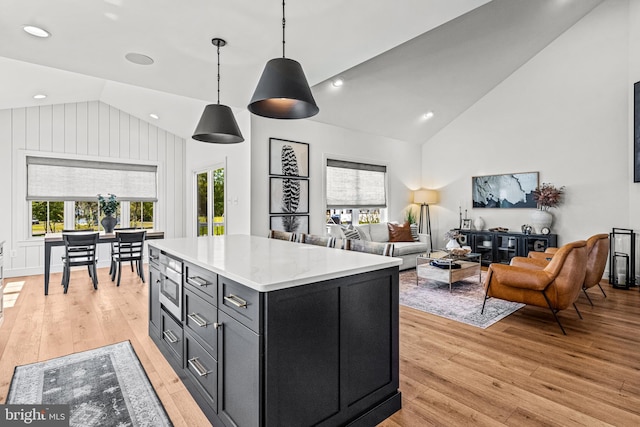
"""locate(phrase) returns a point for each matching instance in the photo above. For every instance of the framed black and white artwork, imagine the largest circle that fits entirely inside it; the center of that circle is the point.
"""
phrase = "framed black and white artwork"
(288, 196)
(513, 190)
(288, 158)
(291, 223)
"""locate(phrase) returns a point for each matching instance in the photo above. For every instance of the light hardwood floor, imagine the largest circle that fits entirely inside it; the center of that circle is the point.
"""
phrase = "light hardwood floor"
(521, 371)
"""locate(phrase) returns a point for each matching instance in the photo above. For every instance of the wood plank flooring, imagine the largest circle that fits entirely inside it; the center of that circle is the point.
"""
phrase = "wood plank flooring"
(519, 372)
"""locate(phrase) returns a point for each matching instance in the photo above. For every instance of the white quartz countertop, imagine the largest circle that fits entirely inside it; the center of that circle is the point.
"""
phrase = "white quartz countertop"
(269, 264)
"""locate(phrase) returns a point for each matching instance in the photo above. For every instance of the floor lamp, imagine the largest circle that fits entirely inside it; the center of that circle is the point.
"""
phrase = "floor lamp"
(425, 198)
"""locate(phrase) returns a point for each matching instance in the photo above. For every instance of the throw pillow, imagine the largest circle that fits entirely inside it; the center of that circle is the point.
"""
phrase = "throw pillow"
(400, 233)
(414, 232)
(350, 232)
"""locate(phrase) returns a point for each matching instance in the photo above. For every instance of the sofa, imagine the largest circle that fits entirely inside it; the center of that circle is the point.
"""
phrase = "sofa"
(407, 250)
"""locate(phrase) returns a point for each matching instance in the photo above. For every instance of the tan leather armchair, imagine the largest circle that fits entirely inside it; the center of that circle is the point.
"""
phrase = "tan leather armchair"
(556, 286)
(597, 255)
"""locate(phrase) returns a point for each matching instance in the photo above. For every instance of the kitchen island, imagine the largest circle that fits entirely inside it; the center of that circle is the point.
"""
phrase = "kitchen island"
(265, 332)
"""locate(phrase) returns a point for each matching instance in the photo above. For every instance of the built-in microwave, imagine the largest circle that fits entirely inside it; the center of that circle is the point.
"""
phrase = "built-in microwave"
(171, 285)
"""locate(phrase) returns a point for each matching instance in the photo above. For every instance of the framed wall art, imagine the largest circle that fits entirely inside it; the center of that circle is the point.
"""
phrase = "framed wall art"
(504, 191)
(291, 223)
(288, 158)
(288, 196)
(636, 132)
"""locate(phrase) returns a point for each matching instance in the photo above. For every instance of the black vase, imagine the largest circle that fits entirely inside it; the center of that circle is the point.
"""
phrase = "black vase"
(108, 223)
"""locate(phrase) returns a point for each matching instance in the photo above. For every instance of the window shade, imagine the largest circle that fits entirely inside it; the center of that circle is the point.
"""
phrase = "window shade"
(80, 180)
(355, 185)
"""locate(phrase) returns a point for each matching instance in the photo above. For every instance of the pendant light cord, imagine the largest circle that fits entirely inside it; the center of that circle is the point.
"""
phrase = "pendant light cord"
(218, 73)
(284, 22)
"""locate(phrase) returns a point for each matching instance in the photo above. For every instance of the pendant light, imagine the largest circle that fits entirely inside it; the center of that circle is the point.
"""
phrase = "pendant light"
(283, 91)
(217, 124)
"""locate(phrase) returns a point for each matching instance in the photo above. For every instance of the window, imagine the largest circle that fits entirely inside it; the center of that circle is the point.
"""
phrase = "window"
(141, 215)
(56, 184)
(46, 217)
(210, 208)
(356, 192)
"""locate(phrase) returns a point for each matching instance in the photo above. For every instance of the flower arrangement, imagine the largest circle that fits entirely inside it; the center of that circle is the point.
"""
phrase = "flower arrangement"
(409, 216)
(108, 205)
(452, 234)
(547, 196)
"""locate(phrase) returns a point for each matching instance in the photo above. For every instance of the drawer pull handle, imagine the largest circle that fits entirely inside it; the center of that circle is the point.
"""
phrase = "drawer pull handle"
(170, 336)
(198, 367)
(236, 300)
(155, 257)
(198, 281)
(217, 325)
(198, 320)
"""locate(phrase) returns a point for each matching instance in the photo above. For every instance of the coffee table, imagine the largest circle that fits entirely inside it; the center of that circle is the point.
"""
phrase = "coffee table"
(469, 265)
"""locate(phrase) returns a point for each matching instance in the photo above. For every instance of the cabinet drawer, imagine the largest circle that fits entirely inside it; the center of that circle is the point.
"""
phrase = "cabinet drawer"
(154, 256)
(203, 369)
(201, 318)
(171, 333)
(202, 281)
(240, 302)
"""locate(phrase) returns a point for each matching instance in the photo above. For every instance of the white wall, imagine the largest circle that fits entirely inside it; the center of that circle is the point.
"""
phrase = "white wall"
(565, 113)
(237, 157)
(91, 130)
(401, 158)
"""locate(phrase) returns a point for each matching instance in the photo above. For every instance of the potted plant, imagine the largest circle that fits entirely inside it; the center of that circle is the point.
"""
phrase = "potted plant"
(546, 196)
(409, 216)
(109, 206)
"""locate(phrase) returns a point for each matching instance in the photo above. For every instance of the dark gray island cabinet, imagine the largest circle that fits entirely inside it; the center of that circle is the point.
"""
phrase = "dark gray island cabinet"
(270, 333)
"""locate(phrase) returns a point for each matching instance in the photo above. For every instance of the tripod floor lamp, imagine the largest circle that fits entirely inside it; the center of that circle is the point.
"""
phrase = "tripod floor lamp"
(425, 198)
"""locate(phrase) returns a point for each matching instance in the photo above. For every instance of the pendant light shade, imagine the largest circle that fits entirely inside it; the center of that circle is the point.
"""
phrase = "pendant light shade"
(283, 91)
(217, 124)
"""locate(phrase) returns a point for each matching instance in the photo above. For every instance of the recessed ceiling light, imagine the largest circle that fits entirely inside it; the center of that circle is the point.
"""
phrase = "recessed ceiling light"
(428, 115)
(154, 116)
(36, 31)
(138, 58)
(39, 96)
(337, 82)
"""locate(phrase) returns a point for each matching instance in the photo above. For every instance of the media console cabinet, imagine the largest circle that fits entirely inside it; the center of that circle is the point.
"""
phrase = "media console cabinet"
(265, 332)
(501, 246)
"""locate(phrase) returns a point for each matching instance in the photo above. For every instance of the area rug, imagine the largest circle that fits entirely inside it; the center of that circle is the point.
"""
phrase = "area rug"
(462, 304)
(106, 386)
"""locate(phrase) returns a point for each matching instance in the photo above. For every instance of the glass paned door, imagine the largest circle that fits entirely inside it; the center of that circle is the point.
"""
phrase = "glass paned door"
(210, 202)
(202, 195)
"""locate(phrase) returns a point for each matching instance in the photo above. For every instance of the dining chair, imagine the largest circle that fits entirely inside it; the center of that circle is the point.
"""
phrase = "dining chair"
(129, 248)
(79, 250)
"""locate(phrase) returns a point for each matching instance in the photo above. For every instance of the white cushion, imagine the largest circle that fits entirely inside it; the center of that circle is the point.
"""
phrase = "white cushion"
(335, 231)
(363, 231)
(406, 248)
(379, 232)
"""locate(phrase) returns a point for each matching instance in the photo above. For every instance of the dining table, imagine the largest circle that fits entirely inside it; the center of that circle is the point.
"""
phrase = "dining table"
(55, 239)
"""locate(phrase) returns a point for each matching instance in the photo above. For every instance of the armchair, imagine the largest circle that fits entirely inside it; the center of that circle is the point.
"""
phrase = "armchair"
(555, 286)
(597, 255)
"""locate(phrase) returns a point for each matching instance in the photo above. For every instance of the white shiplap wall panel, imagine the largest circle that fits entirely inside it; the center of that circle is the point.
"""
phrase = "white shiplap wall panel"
(103, 128)
(57, 129)
(46, 128)
(81, 129)
(32, 133)
(144, 140)
(93, 128)
(114, 132)
(70, 130)
(124, 138)
(134, 138)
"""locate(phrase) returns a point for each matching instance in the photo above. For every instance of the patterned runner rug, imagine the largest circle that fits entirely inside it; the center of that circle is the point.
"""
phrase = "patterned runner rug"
(462, 304)
(106, 386)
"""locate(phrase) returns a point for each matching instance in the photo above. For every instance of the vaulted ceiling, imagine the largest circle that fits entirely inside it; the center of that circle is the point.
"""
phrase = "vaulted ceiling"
(398, 59)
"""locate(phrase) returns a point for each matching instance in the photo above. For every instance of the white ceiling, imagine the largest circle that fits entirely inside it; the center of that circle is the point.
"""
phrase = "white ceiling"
(399, 59)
